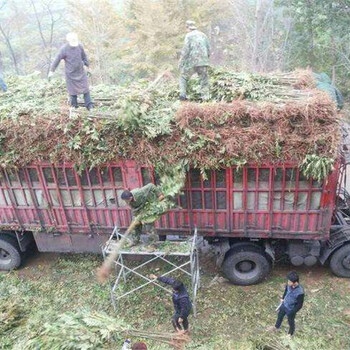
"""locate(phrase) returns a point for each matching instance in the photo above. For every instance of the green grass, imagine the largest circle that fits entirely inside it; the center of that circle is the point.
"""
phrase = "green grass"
(229, 317)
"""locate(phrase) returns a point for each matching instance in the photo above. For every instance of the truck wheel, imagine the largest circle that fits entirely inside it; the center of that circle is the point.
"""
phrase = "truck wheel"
(245, 266)
(10, 255)
(340, 262)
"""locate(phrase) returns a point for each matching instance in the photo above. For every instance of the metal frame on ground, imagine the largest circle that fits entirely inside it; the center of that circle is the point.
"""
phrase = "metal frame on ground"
(189, 267)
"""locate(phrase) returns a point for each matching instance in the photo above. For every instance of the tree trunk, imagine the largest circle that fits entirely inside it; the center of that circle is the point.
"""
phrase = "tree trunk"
(10, 48)
(311, 56)
(255, 53)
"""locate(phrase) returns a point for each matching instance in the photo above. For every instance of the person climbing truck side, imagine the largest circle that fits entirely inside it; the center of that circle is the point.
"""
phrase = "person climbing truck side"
(194, 59)
(137, 199)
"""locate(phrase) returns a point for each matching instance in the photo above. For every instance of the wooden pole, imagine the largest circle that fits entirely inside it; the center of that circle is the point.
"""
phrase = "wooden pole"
(106, 268)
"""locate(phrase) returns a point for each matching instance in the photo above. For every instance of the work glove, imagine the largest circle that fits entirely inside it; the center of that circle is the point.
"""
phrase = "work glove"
(50, 75)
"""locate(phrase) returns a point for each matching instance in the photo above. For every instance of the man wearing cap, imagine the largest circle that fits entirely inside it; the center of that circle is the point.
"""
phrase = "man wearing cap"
(194, 59)
(76, 78)
(137, 199)
(181, 301)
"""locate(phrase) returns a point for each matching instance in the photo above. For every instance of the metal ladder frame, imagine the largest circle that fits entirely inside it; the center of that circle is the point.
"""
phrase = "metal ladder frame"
(189, 268)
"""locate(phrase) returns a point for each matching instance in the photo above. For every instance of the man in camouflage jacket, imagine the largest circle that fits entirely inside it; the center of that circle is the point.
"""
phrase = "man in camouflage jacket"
(137, 199)
(194, 59)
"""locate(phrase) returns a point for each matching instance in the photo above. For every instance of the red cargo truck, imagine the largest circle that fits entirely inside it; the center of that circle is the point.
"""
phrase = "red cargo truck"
(253, 215)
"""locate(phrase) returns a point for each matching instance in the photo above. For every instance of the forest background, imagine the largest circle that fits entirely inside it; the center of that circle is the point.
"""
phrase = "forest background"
(131, 39)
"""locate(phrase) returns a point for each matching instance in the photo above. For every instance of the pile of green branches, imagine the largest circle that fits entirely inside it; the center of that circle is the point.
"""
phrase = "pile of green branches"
(266, 118)
(228, 86)
(90, 330)
(78, 331)
(270, 341)
(167, 247)
(172, 180)
(316, 167)
(11, 316)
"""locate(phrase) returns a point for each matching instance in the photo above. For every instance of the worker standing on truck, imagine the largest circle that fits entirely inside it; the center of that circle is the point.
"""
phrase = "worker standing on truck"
(76, 77)
(194, 59)
(181, 301)
(137, 199)
(291, 302)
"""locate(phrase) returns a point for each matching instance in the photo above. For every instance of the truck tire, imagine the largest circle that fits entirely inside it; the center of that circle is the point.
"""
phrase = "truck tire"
(340, 262)
(10, 255)
(245, 266)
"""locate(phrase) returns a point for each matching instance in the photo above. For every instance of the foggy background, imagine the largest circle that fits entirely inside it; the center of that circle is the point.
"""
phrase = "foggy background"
(131, 39)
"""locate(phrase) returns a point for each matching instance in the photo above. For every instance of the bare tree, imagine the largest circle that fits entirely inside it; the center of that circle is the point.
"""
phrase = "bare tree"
(99, 27)
(260, 35)
(263, 34)
(6, 34)
(2, 4)
(46, 39)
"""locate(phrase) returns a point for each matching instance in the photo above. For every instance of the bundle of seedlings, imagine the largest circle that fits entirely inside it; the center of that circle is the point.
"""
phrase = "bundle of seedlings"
(11, 316)
(92, 330)
(251, 118)
(242, 132)
(277, 87)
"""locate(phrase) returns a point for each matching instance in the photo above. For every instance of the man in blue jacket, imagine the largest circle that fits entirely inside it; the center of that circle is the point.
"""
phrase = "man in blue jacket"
(181, 301)
(291, 302)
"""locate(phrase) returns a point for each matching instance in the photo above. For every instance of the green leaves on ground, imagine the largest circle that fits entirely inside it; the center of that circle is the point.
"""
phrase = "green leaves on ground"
(78, 331)
(11, 316)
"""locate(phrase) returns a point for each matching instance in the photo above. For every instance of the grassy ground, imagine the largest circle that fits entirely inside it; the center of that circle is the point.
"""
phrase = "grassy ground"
(229, 317)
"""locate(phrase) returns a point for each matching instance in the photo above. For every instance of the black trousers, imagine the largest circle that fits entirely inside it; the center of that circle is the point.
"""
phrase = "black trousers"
(177, 325)
(87, 100)
(291, 320)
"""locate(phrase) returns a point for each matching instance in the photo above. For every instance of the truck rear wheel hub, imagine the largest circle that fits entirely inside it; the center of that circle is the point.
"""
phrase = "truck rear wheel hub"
(346, 262)
(4, 256)
(245, 266)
